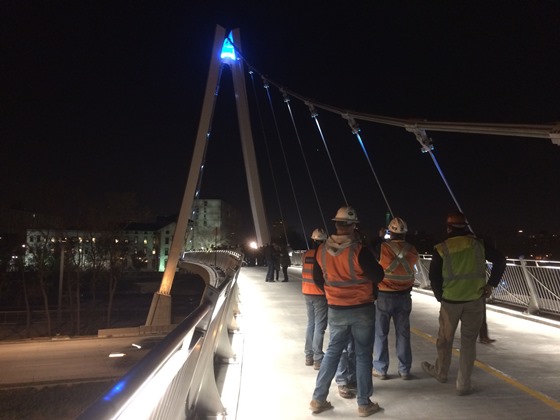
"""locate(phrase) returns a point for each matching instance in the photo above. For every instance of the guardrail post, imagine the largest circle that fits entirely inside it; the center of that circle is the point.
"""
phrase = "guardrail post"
(533, 307)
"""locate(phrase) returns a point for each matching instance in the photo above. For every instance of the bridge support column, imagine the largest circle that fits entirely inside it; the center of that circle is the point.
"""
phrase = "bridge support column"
(160, 310)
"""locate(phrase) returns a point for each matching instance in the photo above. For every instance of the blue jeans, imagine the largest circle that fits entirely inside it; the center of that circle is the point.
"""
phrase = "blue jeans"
(398, 307)
(346, 371)
(316, 325)
(360, 322)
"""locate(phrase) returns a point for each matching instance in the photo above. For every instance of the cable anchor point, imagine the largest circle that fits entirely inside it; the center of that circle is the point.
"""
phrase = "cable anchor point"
(352, 123)
(312, 109)
(422, 137)
(285, 95)
(555, 135)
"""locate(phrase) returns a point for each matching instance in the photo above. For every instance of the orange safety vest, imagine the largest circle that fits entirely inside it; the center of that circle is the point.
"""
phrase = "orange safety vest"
(345, 281)
(397, 259)
(308, 286)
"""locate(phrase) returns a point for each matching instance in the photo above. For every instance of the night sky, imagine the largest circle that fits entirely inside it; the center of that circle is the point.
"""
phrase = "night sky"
(106, 97)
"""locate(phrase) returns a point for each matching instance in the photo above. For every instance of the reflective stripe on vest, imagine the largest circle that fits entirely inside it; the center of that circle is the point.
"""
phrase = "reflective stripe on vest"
(308, 286)
(397, 259)
(345, 282)
(464, 268)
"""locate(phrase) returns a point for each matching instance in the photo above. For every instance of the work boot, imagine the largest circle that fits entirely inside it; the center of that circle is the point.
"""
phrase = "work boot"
(368, 410)
(308, 360)
(345, 392)
(431, 370)
(405, 376)
(465, 391)
(317, 365)
(379, 375)
(319, 406)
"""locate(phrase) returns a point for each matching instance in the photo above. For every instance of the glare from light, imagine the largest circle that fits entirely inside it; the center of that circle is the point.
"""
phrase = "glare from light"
(253, 245)
(117, 355)
(154, 388)
(138, 346)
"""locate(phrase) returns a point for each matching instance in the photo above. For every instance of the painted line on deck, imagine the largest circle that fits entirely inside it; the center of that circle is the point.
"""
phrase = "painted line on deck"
(498, 374)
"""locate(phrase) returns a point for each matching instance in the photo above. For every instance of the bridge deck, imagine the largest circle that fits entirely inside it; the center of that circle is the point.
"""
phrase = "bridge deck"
(517, 377)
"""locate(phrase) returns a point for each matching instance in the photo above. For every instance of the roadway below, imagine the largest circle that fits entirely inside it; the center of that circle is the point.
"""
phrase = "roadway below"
(43, 361)
(517, 377)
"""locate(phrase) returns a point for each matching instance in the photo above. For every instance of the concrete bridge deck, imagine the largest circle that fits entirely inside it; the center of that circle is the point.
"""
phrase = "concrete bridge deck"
(517, 377)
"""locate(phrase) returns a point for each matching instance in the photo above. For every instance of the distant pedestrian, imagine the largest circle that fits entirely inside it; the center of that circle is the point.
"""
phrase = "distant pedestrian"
(458, 280)
(316, 304)
(276, 261)
(349, 275)
(285, 261)
(268, 252)
(397, 257)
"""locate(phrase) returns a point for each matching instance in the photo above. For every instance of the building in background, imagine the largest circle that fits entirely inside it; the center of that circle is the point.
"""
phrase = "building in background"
(214, 224)
(142, 246)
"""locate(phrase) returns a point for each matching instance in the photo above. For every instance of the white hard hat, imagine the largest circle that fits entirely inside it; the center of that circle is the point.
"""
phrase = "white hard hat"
(319, 235)
(398, 225)
(346, 214)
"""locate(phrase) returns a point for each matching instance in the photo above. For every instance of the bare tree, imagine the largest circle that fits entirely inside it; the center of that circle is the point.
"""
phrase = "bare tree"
(42, 260)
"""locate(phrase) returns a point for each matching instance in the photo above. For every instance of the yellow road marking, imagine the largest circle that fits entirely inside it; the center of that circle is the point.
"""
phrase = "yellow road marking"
(498, 374)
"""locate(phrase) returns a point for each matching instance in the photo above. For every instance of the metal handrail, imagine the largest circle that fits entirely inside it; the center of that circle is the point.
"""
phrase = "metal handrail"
(532, 285)
(176, 379)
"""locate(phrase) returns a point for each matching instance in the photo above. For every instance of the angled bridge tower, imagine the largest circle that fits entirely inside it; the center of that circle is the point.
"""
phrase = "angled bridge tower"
(223, 52)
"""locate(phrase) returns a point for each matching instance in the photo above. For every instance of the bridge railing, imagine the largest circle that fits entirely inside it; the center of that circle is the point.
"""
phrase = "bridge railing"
(533, 285)
(176, 379)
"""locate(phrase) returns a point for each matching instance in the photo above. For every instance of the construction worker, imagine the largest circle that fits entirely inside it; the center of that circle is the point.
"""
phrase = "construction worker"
(458, 279)
(316, 304)
(397, 257)
(349, 274)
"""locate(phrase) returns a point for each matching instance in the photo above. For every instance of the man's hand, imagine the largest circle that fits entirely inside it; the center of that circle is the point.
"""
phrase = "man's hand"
(487, 291)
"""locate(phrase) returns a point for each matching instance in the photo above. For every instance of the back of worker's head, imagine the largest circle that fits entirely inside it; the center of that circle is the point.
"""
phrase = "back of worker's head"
(397, 228)
(319, 235)
(345, 220)
(456, 221)
(346, 215)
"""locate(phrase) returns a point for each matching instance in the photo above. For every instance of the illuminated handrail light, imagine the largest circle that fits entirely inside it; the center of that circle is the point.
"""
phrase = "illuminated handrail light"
(228, 51)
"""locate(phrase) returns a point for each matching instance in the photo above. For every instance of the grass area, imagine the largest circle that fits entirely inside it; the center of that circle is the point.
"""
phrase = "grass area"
(59, 402)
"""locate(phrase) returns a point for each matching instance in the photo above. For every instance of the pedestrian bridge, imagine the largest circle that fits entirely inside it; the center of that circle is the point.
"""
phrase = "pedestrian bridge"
(260, 371)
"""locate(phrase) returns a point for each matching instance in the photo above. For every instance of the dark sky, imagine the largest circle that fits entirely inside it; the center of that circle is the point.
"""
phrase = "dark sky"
(106, 96)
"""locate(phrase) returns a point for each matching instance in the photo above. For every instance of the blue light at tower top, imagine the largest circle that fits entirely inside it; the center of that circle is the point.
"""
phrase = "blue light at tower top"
(228, 52)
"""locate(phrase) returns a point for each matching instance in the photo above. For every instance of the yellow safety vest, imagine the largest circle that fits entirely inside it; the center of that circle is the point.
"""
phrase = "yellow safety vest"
(464, 268)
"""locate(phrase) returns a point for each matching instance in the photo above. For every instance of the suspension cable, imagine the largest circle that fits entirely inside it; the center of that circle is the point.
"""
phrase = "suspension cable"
(356, 131)
(266, 86)
(315, 115)
(428, 147)
(287, 102)
(251, 72)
